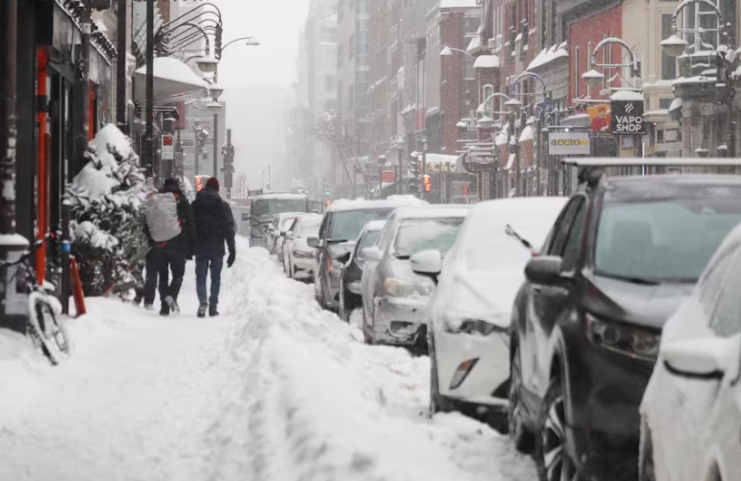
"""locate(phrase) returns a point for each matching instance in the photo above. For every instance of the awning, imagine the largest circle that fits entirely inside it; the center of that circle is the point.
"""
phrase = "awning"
(174, 81)
(486, 61)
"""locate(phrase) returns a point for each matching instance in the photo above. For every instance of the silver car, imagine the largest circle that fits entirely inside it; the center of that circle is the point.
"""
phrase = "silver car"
(395, 298)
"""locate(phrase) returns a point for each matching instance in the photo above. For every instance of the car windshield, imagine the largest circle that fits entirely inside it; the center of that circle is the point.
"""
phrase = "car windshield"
(309, 229)
(262, 207)
(666, 240)
(415, 235)
(346, 225)
(368, 239)
(286, 222)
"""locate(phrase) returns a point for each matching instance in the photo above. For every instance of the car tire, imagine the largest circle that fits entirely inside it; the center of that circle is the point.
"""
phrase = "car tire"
(646, 456)
(344, 313)
(438, 402)
(551, 439)
(367, 338)
(521, 436)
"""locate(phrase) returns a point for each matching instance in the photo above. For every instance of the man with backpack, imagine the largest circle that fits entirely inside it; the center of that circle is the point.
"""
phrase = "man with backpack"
(172, 232)
(214, 228)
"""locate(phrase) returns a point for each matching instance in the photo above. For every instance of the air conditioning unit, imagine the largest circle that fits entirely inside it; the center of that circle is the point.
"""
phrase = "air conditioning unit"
(492, 43)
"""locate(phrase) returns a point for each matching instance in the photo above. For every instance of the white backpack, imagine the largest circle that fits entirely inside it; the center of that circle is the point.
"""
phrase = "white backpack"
(162, 217)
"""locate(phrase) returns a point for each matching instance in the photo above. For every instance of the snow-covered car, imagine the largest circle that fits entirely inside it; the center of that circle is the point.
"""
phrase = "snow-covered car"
(299, 260)
(394, 298)
(691, 410)
(469, 314)
(340, 228)
(264, 208)
(277, 231)
(352, 270)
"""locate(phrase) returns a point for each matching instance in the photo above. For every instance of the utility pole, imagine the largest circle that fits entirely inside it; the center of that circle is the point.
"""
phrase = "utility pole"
(229, 164)
(121, 13)
(147, 150)
(8, 32)
(82, 87)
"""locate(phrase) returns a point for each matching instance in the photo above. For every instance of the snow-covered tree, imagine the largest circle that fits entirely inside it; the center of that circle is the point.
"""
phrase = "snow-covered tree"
(106, 202)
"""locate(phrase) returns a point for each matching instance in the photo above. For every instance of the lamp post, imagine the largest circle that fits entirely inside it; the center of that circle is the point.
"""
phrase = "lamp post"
(675, 46)
(448, 51)
(381, 164)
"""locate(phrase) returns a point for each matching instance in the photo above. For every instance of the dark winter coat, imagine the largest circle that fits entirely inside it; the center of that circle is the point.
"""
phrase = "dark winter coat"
(214, 224)
(185, 242)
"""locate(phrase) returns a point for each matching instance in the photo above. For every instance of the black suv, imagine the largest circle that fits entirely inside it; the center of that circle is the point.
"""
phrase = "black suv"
(586, 324)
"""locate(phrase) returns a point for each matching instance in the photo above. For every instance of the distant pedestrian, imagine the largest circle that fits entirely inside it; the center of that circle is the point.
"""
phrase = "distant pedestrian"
(214, 228)
(172, 232)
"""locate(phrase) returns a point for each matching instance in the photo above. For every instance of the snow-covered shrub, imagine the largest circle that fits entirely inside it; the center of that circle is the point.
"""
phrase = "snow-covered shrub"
(107, 228)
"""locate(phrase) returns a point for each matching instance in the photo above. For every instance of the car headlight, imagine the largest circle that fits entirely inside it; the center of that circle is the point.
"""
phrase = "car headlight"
(399, 288)
(334, 267)
(475, 327)
(630, 341)
(303, 254)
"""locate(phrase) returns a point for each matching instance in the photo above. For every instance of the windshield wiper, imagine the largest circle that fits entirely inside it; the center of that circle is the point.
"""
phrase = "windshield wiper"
(634, 280)
(335, 241)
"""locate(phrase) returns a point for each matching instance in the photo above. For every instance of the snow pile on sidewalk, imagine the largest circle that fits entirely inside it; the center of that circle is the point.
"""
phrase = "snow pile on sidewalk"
(326, 407)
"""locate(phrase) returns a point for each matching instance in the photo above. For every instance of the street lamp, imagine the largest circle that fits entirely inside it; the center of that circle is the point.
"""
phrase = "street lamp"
(207, 64)
(215, 91)
(594, 78)
(513, 105)
(215, 108)
(448, 52)
(674, 46)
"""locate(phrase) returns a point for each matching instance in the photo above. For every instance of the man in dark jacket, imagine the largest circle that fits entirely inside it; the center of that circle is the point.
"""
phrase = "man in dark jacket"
(170, 256)
(214, 228)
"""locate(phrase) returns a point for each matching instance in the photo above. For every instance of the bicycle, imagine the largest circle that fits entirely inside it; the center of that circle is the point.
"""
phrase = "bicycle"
(46, 332)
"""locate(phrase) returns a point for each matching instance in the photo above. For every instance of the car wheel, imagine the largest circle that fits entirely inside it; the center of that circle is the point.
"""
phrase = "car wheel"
(518, 431)
(646, 456)
(367, 338)
(552, 458)
(438, 402)
(345, 312)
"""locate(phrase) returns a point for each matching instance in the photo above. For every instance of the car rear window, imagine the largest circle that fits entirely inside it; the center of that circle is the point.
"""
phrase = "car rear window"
(664, 239)
(346, 225)
(415, 235)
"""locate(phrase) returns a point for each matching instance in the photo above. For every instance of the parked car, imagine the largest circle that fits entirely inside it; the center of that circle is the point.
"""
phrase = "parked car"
(299, 260)
(264, 208)
(394, 298)
(340, 227)
(691, 410)
(276, 233)
(352, 269)
(622, 256)
(470, 311)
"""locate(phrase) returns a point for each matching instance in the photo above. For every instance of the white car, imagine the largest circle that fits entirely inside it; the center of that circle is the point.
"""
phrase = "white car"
(278, 228)
(299, 260)
(691, 410)
(469, 314)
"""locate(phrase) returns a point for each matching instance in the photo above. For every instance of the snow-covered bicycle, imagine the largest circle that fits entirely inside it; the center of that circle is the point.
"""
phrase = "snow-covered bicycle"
(43, 327)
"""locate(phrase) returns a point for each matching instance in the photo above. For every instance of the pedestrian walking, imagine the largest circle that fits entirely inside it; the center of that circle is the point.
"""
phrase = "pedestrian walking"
(214, 229)
(172, 232)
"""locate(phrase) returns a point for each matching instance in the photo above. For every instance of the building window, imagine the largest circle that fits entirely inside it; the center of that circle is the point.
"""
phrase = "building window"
(487, 92)
(701, 17)
(577, 72)
(668, 63)
(664, 104)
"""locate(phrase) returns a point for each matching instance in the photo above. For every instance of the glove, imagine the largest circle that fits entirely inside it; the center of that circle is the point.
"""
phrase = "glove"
(230, 260)
(189, 255)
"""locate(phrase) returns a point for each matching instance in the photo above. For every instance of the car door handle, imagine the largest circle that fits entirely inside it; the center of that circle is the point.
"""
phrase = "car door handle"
(538, 289)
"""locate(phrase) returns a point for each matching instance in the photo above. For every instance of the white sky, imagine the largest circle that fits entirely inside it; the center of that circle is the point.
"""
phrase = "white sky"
(258, 79)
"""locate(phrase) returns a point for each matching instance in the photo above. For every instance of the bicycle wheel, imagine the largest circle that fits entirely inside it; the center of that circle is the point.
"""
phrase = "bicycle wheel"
(51, 334)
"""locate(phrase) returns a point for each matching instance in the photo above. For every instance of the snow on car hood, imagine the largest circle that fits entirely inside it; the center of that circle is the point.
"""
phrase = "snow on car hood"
(485, 295)
(340, 248)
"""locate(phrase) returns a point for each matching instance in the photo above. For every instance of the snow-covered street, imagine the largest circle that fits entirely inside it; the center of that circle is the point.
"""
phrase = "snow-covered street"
(274, 390)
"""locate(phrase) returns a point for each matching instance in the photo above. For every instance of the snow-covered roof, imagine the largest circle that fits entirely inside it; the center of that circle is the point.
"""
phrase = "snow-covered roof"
(437, 159)
(486, 61)
(548, 55)
(375, 225)
(343, 205)
(458, 4)
(474, 45)
(627, 96)
(676, 104)
(433, 211)
(286, 196)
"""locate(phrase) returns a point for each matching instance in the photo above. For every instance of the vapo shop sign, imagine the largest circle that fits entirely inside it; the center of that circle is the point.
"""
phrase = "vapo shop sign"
(480, 161)
(569, 143)
(627, 117)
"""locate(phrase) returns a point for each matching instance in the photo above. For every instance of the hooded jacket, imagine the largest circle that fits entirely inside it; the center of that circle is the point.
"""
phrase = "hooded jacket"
(214, 224)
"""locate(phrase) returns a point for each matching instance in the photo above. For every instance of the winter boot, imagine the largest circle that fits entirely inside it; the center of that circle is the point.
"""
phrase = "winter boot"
(213, 312)
(149, 307)
(202, 309)
(164, 310)
(172, 304)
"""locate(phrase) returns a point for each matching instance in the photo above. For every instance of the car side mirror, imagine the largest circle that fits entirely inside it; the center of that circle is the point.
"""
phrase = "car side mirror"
(344, 257)
(545, 270)
(705, 359)
(282, 233)
(427, 263)
(314, 242)
(245, 216)
(372, 254)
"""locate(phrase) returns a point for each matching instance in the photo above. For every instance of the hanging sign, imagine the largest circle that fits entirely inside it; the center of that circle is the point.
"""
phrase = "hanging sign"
(388, 176)
(627, 117)
(168, 147)
(569, 143)
(480, 161)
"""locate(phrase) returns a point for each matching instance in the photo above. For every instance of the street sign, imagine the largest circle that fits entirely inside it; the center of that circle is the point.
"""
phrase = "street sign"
(168, 147)
(569, 143)
(627, 117)
(480, 161)
(388, 176)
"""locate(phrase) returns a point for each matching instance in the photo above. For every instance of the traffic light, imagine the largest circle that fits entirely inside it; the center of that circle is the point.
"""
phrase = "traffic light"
(428, 183)
(327, 193)
(414, 168)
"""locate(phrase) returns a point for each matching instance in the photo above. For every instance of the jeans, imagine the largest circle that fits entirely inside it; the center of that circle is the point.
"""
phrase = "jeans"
(169, 260)
(203, 265)
(150, 283)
